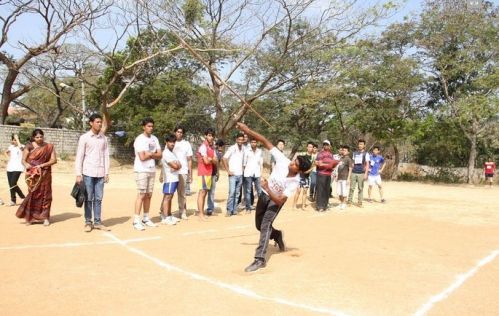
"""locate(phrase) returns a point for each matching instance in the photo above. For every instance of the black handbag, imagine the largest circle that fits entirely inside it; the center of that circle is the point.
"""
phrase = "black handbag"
(78, 193)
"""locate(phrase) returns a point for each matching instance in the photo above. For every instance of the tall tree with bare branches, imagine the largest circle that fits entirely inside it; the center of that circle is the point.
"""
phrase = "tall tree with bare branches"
(265, 46)
(55, 18)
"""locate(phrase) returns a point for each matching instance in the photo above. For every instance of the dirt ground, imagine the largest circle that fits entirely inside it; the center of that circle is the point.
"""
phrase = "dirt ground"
(432, 249)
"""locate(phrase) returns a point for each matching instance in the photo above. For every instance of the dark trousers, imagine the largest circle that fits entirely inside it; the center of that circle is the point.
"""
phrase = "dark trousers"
(13, 177)
(322, 191)
(266, 213)
(313, 183)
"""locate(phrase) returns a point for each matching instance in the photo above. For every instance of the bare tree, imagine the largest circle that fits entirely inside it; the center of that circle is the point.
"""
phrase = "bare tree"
(56, 74)
(57, 18)
(265, 46)
(125, 54)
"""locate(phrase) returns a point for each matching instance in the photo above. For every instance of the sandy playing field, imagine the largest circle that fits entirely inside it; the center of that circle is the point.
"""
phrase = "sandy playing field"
(431, 249)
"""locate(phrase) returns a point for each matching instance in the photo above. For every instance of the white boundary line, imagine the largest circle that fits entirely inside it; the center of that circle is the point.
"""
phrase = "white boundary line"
(233, 288)
(460, 279)
(77, 244)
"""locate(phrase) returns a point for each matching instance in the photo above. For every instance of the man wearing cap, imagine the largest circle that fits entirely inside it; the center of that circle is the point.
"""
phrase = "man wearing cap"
(325, 164)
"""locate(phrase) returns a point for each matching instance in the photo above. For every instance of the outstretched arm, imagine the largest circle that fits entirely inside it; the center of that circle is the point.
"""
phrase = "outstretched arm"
(257, 136)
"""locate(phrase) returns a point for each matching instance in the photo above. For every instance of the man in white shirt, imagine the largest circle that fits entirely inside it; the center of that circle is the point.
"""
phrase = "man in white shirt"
(169, 178)
(253, 164)
(282, 184)
(233, 163)
(183, 152)
(147, 150)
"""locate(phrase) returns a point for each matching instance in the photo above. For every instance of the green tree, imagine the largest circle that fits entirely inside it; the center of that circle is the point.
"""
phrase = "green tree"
(458, 44)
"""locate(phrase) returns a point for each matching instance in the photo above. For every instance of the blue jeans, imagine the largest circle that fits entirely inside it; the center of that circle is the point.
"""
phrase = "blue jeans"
(235, 183)
(211, 195)
(94, 191)
(248, 185)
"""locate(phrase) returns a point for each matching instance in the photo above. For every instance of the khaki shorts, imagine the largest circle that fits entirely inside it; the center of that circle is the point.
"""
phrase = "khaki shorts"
(145, 181)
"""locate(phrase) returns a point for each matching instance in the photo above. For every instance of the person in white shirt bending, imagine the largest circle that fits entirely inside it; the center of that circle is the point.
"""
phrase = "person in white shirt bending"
(147, 150)
(281, 185)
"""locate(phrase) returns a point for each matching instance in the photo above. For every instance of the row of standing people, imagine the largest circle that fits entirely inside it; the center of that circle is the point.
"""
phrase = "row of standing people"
(347, 171)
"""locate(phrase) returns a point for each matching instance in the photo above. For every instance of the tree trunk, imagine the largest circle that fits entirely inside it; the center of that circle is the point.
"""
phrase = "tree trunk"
(472, 159)
(396, 161)
(106, 118)
(219, 113)
(7, 95)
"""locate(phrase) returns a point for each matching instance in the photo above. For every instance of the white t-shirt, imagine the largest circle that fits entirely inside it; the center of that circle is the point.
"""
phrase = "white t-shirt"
(182, 150)
(235, 157)
(169, 175)
(253, 162)
(148, 144)
(279, 183)
(15, 159)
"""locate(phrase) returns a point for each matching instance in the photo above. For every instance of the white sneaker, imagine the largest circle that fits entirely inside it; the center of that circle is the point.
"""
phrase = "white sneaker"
(148, 222)
(343, 206)
(184, 216)
(162, 216)
(168, 221)
(176, 220)
(138, 226)
(11, 204)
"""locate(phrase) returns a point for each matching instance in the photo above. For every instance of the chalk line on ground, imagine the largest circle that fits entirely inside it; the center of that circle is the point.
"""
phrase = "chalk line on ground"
(234, 288)
(459, 280)
(77, 244)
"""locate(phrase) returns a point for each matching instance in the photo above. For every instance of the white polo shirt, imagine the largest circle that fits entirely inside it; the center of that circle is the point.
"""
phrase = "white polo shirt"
(235, 158)
(253, 162)
(182, 150)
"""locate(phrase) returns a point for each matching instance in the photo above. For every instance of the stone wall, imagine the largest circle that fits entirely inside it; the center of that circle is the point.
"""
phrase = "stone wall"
(64, 140)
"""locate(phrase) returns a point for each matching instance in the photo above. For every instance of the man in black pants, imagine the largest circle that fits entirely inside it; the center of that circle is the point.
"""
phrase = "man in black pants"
(282, 183)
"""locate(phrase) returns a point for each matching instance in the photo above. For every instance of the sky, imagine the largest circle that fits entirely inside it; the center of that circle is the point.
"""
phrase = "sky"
(28, 29)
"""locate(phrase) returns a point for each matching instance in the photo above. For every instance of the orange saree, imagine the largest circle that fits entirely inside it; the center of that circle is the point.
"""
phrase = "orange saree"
(36, 205)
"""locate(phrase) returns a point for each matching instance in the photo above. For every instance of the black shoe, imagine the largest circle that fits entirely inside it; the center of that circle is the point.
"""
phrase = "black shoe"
(280, 242)
(257, 264)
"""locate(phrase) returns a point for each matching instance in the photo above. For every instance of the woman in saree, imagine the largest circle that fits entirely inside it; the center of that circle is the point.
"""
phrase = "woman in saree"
(38, 157)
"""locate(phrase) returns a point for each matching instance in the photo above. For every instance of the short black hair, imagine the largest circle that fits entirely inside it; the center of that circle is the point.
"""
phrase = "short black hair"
(310, 143)
(304, 163)
(345, 147)
(239, 135)
(220, 143)
(377, 147)
(94, 116)
(281, 141)
(170, 138)
(179, 127)
(209, 130)
(315, 145)
(361, 141)
(147, 120)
